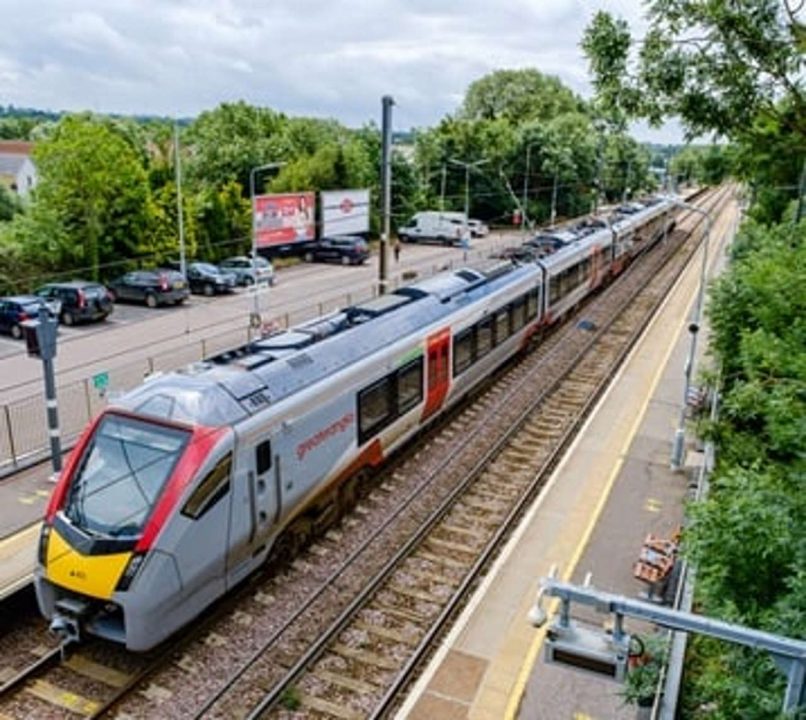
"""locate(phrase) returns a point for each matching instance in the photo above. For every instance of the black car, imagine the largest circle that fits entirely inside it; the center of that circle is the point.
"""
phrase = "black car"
(81, 301)
(17, 309)
(346, 249)
(153, 287)
(208, 279)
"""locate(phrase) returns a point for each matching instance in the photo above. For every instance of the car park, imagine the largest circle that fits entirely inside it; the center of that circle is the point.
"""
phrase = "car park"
(153, 287)
(16, 309)
(209, 279)
(345, 249)
(80, 300)
(248, 270)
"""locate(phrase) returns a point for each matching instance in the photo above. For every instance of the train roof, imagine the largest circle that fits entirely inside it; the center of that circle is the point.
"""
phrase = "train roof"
(235, 384)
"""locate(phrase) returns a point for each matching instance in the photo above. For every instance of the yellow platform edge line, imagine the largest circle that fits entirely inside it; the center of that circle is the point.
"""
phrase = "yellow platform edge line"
(527, 668)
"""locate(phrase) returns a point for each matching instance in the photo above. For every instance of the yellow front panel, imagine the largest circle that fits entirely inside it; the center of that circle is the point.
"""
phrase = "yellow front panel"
(94, 575)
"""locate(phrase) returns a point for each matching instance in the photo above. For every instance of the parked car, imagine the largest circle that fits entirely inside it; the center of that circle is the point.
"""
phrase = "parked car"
(81, 301)
(478, 228)
(346, 249)
(16, 309)
(208, 279)
(153, 287)
(246, 273)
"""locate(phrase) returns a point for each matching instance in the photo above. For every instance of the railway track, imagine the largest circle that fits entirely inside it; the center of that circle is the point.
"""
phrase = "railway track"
(317, 635)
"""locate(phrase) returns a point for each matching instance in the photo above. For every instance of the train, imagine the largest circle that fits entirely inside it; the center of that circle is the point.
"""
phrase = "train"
(181, 488)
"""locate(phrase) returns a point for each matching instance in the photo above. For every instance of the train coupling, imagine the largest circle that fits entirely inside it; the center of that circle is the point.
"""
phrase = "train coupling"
(66, 621)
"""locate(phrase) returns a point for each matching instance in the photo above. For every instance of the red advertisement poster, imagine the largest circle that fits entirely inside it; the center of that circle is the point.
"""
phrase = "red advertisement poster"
(284, 219)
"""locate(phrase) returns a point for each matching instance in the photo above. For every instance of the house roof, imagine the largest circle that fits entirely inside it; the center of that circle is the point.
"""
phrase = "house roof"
(16, 147)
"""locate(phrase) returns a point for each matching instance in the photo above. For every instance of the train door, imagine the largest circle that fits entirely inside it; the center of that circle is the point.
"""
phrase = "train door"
(254, 506)
(438, 377)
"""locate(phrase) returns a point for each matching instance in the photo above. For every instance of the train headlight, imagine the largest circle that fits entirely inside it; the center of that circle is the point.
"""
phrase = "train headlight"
(42, 551)
(130, 572)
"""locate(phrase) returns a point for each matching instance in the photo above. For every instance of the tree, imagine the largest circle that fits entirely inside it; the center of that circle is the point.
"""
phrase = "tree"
(10, 204)
(730, 69)
(231, 140)
(716, 65)
(518, 96)
(92, 178)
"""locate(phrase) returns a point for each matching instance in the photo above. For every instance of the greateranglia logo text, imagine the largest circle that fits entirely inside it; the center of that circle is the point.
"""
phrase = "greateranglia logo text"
(335, 428)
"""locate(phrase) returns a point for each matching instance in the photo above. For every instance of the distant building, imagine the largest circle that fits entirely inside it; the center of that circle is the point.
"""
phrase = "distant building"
(17, 170)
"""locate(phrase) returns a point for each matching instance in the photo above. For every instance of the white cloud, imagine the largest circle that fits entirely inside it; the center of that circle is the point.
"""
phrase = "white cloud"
(336, 58)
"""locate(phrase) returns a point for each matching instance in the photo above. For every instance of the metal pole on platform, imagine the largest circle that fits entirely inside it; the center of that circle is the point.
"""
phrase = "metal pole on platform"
(678, 445)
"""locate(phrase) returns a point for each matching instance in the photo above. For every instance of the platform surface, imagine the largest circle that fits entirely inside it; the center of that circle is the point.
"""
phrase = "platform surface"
(613, 487)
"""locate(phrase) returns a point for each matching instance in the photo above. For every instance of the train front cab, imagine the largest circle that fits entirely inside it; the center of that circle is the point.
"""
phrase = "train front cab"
(115, 559)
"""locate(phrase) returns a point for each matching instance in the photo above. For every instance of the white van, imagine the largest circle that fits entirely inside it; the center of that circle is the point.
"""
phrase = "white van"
(433, 225)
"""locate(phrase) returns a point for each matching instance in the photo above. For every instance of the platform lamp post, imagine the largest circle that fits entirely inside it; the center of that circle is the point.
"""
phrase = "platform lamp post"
(260, 168)
(467, 166)
(678, 446)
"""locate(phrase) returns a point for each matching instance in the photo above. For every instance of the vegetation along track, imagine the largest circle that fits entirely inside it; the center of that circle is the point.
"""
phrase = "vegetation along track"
(466, 483)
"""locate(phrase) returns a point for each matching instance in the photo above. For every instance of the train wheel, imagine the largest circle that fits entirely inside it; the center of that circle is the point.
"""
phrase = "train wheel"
(292, 542)
(348, 494)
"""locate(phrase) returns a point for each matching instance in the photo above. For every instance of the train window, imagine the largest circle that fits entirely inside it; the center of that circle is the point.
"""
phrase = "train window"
(374, 408)
(531, 304)
(409, 385)
(263, 457)
(484, 337)
(462, 351)
(210, 490)
(121, 475)
(501, 326)
(518, 314)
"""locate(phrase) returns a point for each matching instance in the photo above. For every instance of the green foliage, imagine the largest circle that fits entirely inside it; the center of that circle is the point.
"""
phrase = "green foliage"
(717, 65)
(748, 538)
(701, 164)
(10, 204)
(231, 140)
(643, 675)
(518, 96)
(91, 176)
(728, 69)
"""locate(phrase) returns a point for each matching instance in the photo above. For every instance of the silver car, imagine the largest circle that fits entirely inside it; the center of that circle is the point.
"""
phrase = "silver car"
(248, 271)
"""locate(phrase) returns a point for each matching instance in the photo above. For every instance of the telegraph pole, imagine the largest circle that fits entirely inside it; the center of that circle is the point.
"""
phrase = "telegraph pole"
(386, 185)
(182, 262)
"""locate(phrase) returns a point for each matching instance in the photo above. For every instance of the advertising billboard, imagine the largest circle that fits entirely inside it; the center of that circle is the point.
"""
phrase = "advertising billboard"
(345, 212)
(284, 219)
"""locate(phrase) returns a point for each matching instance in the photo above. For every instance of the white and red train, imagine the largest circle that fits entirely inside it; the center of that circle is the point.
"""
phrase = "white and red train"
(182, 487)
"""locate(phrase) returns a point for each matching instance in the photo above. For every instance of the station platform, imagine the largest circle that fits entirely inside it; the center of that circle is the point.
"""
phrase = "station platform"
(23, 498)
(613, 488)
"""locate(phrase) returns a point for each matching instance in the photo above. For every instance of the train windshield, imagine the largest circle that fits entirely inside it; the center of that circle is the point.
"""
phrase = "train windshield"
(121, 475)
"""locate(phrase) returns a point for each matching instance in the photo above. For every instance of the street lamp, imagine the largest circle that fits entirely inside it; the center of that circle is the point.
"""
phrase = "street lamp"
(252, 172)
(467, 166)
(694, 326)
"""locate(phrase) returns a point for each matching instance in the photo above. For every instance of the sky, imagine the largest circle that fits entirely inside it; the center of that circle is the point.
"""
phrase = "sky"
(322, 58)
